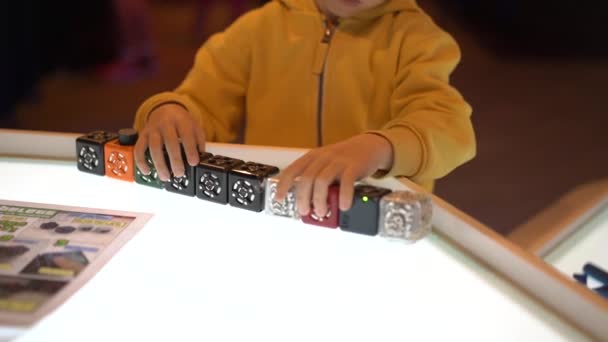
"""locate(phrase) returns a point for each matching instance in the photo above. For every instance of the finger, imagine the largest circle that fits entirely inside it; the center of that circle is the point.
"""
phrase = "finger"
(188, 138)
(174, 150)
(158, 157)
(347, 183)
(321, 185)
(287, 176)
(201, 138)
(139, 153)
(305, 185)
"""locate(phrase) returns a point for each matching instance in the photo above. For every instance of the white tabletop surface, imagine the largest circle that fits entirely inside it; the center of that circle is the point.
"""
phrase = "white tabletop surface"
(202, 271)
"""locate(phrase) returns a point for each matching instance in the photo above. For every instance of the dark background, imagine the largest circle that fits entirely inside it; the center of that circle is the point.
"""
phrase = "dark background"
(534, 71)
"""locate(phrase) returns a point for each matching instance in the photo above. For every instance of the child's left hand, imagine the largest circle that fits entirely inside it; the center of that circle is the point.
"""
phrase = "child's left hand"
(347, 161)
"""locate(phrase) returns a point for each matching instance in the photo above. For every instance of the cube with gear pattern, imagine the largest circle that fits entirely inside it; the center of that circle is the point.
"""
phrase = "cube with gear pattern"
(212, 178)
(285, 208)
(186, 184)
(405, 216)
(150, 179)
(90, 151)
(362, 217)
(119, 155)
(246, 183)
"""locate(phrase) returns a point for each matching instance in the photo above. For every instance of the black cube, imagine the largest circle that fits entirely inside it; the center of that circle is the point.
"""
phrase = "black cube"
(90, 151)
(186, 184)
(247, 182)
(212, 178)
(362, 217)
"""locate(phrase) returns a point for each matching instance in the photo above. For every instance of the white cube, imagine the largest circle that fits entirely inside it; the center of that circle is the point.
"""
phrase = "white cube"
(285, 208)
(405, 215)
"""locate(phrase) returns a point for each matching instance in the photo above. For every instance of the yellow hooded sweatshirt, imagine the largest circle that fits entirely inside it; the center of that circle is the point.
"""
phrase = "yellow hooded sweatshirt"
(280, 76)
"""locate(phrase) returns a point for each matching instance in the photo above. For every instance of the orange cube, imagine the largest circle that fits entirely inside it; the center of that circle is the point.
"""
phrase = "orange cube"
(119, 155)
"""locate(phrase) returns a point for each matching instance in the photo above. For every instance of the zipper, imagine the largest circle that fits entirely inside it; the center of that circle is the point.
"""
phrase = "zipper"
(326, 40)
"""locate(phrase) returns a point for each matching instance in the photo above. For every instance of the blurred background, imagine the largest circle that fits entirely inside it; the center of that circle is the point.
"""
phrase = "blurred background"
(534, 71)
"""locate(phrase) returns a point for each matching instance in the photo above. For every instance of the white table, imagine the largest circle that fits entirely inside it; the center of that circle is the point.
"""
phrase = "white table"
(202, 271)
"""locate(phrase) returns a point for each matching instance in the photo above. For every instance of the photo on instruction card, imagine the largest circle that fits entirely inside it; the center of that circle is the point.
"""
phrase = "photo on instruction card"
(63, 259)
(17, 253)
(23, 295)
(58, 264)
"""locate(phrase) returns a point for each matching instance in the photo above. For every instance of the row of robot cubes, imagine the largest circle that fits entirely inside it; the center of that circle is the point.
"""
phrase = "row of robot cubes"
(399, 215)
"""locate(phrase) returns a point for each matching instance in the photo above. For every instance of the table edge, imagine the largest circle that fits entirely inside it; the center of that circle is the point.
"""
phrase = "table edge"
(570, 301)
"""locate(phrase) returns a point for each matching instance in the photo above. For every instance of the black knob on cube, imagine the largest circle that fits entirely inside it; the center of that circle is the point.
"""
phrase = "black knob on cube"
(127, 136)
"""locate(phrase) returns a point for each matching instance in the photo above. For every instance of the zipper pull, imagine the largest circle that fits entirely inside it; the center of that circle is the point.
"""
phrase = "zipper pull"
(329, 31)
(321, 53)
(326, 35)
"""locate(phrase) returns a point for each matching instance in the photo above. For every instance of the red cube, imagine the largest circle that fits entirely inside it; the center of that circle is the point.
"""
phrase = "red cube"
(331, 220)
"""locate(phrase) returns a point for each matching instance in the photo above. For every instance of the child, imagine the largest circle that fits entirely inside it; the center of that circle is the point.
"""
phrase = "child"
(366, 82)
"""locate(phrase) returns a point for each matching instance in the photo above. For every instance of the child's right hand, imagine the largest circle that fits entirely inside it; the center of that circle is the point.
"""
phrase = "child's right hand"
(168, 125)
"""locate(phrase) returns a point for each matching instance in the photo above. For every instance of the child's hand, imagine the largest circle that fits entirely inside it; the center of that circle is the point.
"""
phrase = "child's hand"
(346, 162)
(169, 124)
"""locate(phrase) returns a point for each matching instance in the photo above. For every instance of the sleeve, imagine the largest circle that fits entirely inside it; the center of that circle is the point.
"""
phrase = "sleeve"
(430, 128)
(214, 89)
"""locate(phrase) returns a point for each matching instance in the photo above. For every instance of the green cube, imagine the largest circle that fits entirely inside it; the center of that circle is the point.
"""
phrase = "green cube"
(151, 179)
